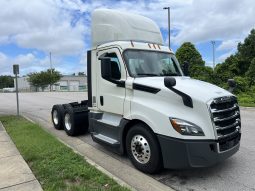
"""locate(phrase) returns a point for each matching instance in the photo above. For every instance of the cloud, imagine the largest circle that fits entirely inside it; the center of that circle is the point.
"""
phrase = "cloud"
(224, 56)
(228, 44)
(83, 63)
(3, 58)
(31, 63)
(63, 26)
(28, 63)
(214, 20)
(43, 25)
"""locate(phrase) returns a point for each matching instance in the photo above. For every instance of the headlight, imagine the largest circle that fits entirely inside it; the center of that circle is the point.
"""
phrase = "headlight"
(186, 128)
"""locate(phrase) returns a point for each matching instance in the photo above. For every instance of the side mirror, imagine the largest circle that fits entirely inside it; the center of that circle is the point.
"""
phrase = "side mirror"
(231, 84)
(106, 70)
(169, 82)
(185, 68)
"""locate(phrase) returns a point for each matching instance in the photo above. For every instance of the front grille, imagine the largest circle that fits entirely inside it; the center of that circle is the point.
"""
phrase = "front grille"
(226, 118)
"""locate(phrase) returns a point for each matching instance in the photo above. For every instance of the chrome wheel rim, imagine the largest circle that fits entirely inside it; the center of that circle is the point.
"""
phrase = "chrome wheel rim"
(140, 149)
(68, 124)
(55, 117)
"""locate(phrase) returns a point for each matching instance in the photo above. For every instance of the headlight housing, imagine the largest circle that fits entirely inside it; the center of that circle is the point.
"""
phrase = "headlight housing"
(186, 128)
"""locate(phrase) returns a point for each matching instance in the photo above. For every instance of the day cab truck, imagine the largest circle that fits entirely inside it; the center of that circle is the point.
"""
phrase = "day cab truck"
(140, 102)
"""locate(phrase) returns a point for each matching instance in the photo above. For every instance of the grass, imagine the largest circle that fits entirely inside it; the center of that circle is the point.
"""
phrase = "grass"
(246, 99)
(55, 165)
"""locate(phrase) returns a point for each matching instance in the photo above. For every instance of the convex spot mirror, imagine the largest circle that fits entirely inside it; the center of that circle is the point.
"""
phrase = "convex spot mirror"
(169, 82)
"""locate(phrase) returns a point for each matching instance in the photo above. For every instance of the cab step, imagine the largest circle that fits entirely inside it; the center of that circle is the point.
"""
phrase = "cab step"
(104, 139)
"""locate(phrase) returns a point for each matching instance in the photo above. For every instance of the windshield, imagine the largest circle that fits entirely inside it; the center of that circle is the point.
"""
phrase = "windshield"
(142, 63)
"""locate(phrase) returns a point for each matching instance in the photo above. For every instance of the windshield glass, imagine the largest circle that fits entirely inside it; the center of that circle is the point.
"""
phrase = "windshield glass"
(142, 63)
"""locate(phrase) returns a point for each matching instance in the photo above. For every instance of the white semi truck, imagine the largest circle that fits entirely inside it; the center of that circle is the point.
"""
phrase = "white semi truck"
(141, 103)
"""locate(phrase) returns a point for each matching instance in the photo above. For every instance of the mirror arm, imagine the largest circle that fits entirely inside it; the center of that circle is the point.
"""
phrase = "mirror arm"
(119, 83)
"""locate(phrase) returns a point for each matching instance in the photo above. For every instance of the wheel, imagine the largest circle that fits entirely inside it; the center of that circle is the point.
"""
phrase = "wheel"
(57, 114)
(69, 122)
(143, 149)
(75, 120)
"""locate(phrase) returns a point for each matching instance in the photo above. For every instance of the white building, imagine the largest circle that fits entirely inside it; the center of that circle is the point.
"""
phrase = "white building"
(66, 83)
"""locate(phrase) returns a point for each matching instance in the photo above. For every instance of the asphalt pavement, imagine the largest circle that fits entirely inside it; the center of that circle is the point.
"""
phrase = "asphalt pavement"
(236, 173)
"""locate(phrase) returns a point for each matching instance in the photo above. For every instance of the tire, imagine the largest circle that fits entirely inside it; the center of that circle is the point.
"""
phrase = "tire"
(75, 120)
(143, 149)
(57, 114)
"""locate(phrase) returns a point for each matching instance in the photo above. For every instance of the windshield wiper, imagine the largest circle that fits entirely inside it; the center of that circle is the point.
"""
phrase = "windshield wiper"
(172, 74)
(146, 74)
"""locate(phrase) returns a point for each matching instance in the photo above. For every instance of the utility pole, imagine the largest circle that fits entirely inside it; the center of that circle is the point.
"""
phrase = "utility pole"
(213, 46)
(168, 9)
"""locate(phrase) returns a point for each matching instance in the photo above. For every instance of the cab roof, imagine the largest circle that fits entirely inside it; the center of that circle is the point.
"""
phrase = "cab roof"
(135, 45)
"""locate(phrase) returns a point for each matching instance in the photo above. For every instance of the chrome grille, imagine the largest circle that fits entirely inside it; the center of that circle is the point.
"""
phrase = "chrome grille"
(226, 118)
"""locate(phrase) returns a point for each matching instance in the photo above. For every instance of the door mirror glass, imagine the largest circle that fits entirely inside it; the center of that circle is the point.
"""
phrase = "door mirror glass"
(106, 68)
(110, 68)
(115, 70)
(185, 68)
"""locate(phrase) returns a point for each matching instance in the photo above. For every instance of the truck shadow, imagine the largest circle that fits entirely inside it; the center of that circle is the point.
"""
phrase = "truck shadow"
(179, 179)
(187, 179)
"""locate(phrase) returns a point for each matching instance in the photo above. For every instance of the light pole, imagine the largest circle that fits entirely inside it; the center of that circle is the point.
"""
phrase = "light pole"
(50, 71)
(50, 64)
(213, 46)
(168, 9)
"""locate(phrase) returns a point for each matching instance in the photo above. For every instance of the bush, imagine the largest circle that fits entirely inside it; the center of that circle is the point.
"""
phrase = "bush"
(247, 98)
(241, 84)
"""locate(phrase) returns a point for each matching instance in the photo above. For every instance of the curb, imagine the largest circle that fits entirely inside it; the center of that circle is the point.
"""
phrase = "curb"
(247, 107)
(91, 162)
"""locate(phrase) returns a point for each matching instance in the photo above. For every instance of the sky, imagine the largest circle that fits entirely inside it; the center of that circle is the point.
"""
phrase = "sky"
(30, 30)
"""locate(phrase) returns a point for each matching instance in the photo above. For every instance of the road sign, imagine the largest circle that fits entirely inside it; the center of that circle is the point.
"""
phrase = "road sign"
(15, 69)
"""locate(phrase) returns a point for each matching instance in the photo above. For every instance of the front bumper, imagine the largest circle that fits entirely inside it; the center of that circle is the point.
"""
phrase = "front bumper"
(183, 154)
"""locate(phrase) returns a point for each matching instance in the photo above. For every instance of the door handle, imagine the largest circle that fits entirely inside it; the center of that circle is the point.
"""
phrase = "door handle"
(102, 100)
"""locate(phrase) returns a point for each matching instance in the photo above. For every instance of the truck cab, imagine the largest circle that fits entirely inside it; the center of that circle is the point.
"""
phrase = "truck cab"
(141, 103)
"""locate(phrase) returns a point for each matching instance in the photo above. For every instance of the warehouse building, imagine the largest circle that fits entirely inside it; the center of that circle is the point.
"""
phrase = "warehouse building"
(66, 83)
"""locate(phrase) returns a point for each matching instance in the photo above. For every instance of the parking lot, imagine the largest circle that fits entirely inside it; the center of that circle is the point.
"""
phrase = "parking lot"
(236, 173)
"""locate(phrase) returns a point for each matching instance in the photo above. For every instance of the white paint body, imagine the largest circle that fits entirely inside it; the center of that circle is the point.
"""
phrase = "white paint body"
(129, 84)
(153, 109)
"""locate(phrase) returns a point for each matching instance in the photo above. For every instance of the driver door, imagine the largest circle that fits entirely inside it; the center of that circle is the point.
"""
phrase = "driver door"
(111, 96)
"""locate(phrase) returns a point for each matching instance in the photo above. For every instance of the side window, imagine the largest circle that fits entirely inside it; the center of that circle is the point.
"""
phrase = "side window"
(115, 66)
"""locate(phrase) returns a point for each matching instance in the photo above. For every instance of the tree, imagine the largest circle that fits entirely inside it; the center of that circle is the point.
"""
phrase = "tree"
(227, 70)
(81, 73)
(188, 52)
(52, 76)
(204, 73)
(44, 78)
(251, 73)
(241, 84)
(246, 52)
(6, 82)
(239, 66)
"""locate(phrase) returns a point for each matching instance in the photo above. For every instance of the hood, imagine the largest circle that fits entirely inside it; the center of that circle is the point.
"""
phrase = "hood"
(196, 89)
